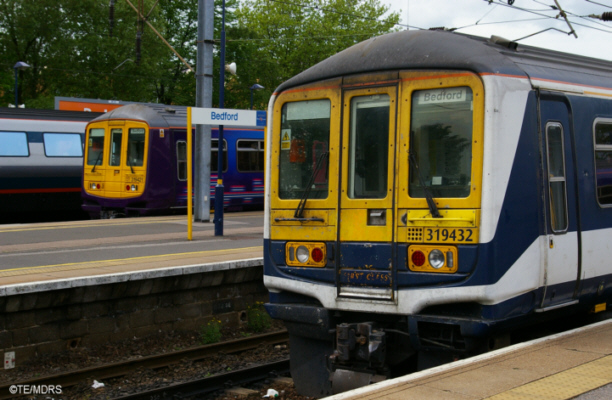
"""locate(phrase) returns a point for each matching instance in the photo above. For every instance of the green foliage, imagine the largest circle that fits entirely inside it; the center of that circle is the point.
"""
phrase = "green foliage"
(258, 319)
(211, 332)
(283, 38)
(71, 51)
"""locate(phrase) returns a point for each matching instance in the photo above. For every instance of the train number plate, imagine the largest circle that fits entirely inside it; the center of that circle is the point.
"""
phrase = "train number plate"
(450, 235)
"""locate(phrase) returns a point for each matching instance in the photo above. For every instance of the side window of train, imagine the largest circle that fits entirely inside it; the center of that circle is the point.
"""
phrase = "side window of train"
(62, 145)
(603, 160)
(14, 144)
(556, 177)
(250, 155)
(214, 157)
(181, 160)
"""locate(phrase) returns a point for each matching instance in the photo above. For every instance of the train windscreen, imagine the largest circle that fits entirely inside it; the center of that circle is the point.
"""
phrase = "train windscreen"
(304, 141)
(95, 146)
(441, 142)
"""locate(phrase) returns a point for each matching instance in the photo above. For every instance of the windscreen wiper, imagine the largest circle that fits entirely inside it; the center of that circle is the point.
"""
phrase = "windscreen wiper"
(433, 209)
(130, 164)
(299, 211)
(96, 163)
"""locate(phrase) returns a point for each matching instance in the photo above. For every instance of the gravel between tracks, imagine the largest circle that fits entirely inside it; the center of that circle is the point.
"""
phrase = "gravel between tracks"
(146, 379)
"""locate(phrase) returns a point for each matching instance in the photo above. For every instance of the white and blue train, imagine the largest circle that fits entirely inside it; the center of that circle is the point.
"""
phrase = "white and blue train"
(428, 194)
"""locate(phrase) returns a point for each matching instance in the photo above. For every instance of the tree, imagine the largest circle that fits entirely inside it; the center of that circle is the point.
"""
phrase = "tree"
(277, 39)
(71, 51)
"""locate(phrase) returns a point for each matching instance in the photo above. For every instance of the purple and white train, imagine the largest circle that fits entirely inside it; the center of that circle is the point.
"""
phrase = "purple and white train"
(135, 163)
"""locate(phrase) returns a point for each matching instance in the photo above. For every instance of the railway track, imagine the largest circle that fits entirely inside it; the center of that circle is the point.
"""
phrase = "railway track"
(205, 386)
(115, 370)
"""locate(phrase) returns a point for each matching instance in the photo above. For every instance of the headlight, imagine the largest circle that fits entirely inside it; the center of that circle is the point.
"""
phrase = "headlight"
(302, 254)
(432, 258)
(436, 259)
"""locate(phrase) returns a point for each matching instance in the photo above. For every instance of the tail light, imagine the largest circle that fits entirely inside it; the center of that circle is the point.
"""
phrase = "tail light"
(301, 254)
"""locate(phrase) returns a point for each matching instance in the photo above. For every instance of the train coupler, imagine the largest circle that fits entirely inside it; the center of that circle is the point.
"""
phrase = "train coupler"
(360, 343)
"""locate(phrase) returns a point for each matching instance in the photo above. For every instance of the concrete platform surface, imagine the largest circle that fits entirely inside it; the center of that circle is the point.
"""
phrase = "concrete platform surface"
(67, 250)
(573, 364)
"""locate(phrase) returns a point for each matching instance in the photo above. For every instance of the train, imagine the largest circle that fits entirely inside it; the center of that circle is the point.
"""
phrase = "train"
(135, 163)
(41, 156)
(430, 194)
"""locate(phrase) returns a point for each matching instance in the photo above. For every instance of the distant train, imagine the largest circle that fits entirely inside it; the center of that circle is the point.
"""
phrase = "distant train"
(136, 163)
(41, 157)
(428, 194)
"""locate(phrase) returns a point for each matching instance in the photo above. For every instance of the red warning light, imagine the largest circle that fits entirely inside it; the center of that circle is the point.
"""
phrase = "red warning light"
(418, 258)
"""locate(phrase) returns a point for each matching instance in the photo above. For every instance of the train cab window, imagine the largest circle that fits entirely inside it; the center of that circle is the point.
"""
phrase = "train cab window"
(95, 146)
(115, 151)
(441, 142)
(250, 155)
(214, 155)
(304, 145)
(181, 160)
(603, 161)
(62, 145)
(136, 147)
(556, 177)
(369, 147)
(14, 144)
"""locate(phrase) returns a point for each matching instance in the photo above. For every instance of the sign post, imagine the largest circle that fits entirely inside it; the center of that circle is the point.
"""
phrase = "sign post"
(221, 117)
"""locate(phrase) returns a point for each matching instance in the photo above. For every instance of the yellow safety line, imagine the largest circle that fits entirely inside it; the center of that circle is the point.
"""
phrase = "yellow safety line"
(126, 221)
(566, 384)
(89, 225)
(76, 265)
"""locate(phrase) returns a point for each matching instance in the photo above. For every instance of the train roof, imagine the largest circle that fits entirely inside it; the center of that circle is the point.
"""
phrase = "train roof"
(48, 115)
(453, 51)
(155, 115)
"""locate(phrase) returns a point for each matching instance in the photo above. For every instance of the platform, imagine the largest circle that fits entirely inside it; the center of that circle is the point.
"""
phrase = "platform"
(55, 251)
(562, 366)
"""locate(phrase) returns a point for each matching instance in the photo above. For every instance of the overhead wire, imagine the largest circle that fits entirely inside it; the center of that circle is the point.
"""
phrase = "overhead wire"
(599, 4)
(539, 13)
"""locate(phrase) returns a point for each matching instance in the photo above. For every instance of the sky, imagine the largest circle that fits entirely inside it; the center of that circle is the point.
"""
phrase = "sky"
(497, 17)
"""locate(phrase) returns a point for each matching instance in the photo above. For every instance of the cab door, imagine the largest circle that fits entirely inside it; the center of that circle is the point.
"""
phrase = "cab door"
(563, 235)
(365, 229)
(114, 177)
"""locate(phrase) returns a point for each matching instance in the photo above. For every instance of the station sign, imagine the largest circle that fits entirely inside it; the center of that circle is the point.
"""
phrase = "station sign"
(228, 117)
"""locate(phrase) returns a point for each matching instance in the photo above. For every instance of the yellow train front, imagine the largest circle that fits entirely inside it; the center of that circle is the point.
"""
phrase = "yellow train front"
(423, 202)
(136, 163)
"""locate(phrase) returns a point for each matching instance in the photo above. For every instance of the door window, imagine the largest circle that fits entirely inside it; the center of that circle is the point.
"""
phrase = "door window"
(115, 153)
(369, 147)
(181, 160)
(214, 155)
(603, 161)
(556, 177)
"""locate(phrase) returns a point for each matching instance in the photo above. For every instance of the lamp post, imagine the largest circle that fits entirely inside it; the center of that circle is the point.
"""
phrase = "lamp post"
(19, 66)
(256, 86)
